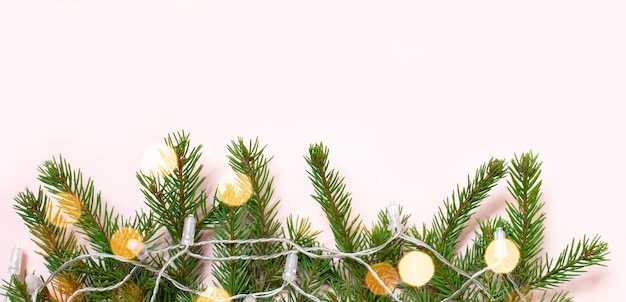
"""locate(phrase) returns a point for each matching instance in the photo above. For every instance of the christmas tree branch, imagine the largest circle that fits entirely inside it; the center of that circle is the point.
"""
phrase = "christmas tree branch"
(526, 216)
(232, 276)
(335, 201)
(572, 262)
(314, 273)
(250, 245)
(250, 161)
(451, 220)
(96, 220)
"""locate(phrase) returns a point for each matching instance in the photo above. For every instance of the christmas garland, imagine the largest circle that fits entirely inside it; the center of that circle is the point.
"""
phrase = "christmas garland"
(162, 254)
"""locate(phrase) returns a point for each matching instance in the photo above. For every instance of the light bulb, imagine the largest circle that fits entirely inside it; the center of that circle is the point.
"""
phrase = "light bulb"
(501, 255)
(214, 294)
(33, 284)
(15, 264)
(386, 273)
(138, 248)
(393, 216)
(234, 189)
(189, 231)
(128, 243)
(416, 268)
(291, 267)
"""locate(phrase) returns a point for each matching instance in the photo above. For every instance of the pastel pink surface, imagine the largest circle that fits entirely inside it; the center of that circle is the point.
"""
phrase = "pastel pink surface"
(410, 98)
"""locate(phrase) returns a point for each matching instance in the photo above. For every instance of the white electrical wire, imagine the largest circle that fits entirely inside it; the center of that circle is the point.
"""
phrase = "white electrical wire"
(290, 248)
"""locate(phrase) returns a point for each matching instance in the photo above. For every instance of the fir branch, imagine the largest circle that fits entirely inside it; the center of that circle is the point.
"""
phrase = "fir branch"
(16, 290)
(336, 202)
(472, 260)
(249, 159)
(313, 273)
(173, 198)
(563, 296)
(379, 234)
(96, 220)
(232, 275)
(57, 244)
(526, 216)
(572, 262)
(451, 220)
(348, 276)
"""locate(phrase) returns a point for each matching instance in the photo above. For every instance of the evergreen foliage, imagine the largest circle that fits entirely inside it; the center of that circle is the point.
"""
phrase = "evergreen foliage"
(173, 197)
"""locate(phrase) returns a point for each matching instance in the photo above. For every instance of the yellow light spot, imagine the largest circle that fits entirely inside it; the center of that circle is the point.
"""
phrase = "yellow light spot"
(159, 160)
(62, 287)
(63, 209)
(127, 243)
(386, 273)
(416, 268)
(235, 189)
(214, 294)
(502, 256)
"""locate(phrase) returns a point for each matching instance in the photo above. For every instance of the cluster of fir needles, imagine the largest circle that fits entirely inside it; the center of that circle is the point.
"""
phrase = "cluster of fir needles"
(174, 196)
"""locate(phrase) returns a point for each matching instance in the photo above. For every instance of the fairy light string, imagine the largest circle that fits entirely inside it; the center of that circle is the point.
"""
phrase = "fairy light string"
(290, 252)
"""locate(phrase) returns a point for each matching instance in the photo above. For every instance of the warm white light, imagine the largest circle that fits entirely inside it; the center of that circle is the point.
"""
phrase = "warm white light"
(416, 268)
(127, 243)
(159, 160)
(214, 294)
(234, 189)
(502, 256)
(63, 209)
(386, 273)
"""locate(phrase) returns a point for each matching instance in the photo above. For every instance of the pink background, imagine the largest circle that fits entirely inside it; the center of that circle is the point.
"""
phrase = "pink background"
(409, 97)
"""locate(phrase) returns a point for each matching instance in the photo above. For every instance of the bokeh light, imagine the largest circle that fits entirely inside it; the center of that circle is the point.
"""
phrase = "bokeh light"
(126, 242)
(416, 268)
(214, 294)
(63, 209)
(159, 160)
(502, 256)
(386, 273)
(234, 189)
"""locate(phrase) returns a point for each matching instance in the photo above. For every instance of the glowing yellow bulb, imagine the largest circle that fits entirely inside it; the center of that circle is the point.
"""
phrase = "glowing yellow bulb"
(416, 268)
(502, 256)
(62, 287)
(127, 243)
(63, 209)
(214, 294)
(159, 160)
(386, 273)
(235, 190)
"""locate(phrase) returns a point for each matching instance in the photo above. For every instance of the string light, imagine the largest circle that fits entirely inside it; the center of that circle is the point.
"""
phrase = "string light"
(235, 189)
(501, 255)
(127, 242)
(214, 294)
(387, 274)
(415, 268)
(15, 264)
